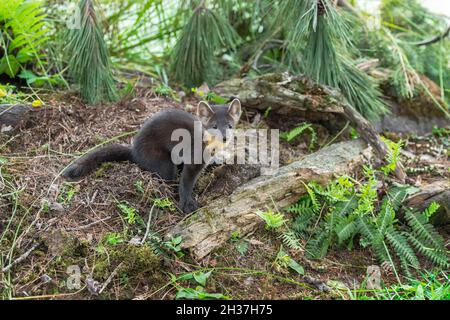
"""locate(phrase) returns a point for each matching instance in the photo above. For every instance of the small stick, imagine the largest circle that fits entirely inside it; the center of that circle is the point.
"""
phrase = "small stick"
(147, 229)
(89, 224)
(21, 258)
(111, 276)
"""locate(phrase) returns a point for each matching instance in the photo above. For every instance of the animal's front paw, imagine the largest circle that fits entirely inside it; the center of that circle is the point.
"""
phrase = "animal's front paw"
(189, 205)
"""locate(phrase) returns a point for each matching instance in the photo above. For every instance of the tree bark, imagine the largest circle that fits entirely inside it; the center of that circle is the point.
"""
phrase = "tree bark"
(286, 94)
(211, 226)
(438, 192)
(11, 115)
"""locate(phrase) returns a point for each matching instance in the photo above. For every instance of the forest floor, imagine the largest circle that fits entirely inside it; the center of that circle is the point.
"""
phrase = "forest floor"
(93, 224)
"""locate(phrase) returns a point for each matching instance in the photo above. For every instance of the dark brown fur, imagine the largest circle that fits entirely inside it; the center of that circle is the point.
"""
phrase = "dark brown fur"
(152, 147)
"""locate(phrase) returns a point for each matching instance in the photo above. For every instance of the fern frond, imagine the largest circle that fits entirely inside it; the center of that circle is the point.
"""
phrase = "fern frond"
(304, 221)
(23, 35)
(424, 231)
(346, 229)
(438, 257)
(385, 217)
(317, 247)
(291, 240)
(372, 237)
(312, 195)
(401, 246)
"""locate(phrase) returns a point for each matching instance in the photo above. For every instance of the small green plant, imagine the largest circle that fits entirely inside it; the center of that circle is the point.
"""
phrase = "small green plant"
(165, 203)
(354, 134)
(67, 193)
(394, 149)
(267, 112)
(273, 220)
(241, 245)
(163, 90)
(174, 245)
(215, 98)
(197, 293)
(129, 212)
(428, 286)
(283, 261)
(294, 133)
(45, 206)
(441, 132)
(139, 185)
(113, 238)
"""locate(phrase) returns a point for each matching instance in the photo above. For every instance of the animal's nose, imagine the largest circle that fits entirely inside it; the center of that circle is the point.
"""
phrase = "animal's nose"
(224, 138)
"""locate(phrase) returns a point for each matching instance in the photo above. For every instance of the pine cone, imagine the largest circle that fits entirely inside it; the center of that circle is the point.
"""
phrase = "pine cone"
(321, 6)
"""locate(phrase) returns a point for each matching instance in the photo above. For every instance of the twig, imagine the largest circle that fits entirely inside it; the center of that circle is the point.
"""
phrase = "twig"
(434, 39)
(111, 276)
(147, 229)
(88, 225)
(21, 258)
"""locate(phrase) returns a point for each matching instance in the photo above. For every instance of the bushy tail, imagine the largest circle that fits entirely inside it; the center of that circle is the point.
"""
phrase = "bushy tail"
(91, 161)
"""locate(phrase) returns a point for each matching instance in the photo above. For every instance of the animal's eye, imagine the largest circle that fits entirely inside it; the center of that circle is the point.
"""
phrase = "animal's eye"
(230, 126)
(215, 126)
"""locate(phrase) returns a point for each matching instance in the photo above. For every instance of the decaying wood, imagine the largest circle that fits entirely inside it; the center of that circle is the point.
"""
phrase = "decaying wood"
(286, 94)
(438, 192)
(11, 115)
(212, 225)
(283, 93)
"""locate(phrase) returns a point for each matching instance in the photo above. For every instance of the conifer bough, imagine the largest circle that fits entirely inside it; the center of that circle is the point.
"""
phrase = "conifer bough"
(319, 35)
(89, 64)
(204, 34)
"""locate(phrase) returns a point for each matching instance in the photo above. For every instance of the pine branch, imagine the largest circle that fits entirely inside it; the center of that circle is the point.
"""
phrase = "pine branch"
(89, 63)
(203, 35)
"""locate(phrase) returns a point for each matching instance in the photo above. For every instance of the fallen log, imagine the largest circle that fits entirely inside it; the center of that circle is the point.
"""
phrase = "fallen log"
(438, 192)
(11, 115)
(286, 94)
(211, 226)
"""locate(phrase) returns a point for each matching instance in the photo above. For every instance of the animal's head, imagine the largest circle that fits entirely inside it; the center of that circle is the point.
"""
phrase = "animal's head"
(219, 119)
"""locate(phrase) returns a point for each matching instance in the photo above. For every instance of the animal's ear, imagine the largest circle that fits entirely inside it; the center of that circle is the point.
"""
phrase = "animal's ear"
(204, 111)
(235, 110)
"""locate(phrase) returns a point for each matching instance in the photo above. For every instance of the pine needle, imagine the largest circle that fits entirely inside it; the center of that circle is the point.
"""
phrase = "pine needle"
(89, 63)
(204, 34)
(326, 55)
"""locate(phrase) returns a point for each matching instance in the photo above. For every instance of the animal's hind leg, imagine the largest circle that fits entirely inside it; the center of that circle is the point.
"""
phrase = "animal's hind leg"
(167, 171)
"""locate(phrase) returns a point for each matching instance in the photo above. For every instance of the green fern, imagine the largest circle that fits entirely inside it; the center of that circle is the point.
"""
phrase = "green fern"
(23, 35)
(306, 215)
(291, 240)
(346, 229)
(294, 133)
(394, 149)
(426, 239)
(318, 246)
(402, 248)
(353, 214)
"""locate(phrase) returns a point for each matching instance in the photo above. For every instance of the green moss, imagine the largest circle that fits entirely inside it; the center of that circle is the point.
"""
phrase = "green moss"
(136, 261)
